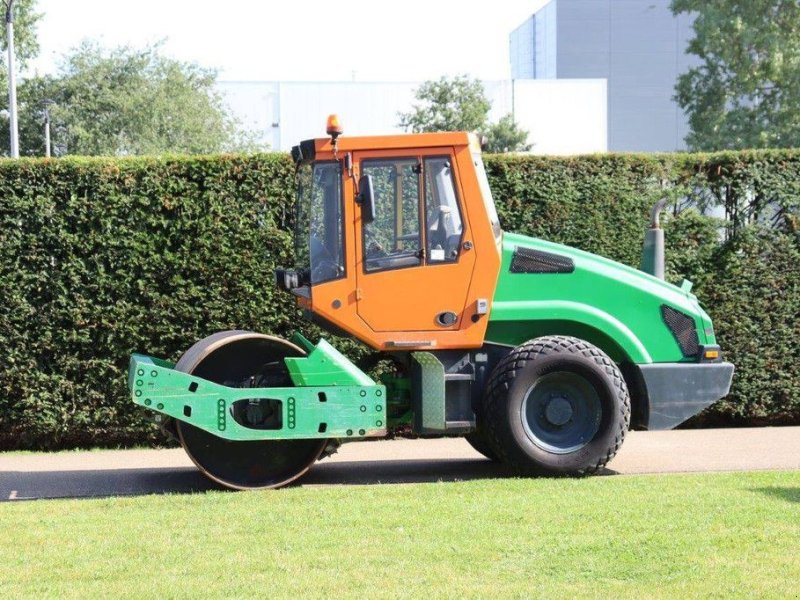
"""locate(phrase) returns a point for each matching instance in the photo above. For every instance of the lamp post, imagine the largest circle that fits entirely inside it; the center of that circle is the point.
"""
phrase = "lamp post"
(46, 104)
(12, 83)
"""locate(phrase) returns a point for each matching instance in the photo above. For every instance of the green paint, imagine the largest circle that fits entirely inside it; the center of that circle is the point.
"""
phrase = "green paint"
(398, 400)
(604, 302)
(348, 410)
(324, 366)
(430, 418)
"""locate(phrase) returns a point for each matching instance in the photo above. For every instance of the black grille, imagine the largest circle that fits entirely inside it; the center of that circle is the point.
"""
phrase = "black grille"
(526, 260)
(683, 328)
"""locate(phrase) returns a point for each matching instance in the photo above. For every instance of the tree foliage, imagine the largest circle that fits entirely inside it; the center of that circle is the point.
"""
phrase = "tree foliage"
(26, 44)
(506, 136)
(457, 104)
(460, 104)
(26, 47)
(125, 101)
(745, 93)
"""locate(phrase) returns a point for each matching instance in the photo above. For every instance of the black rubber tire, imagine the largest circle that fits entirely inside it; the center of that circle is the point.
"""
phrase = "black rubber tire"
(514, 377)
(480, 444)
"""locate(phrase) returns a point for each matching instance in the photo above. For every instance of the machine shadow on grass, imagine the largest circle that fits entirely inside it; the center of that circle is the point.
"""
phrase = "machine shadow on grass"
(35, 485)
(790, 494)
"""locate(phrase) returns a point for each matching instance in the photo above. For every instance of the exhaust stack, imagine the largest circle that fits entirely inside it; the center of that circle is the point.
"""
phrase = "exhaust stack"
(653, 250)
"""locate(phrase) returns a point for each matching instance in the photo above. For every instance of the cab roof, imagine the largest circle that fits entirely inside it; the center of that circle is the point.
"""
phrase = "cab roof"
(309, 148)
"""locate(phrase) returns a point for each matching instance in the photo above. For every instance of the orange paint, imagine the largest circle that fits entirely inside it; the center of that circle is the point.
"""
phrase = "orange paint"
(398, 308)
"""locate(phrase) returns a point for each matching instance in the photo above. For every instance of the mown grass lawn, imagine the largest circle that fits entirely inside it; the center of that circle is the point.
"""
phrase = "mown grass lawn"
(646, 536)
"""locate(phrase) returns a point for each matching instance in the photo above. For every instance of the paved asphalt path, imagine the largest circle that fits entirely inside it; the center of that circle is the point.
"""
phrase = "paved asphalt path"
(138, 472)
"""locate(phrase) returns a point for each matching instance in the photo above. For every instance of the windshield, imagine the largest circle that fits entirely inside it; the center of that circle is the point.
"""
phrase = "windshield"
(486, 192)
(318, 228)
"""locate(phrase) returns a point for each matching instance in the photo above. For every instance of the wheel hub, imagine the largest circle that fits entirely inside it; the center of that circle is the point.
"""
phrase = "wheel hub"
(558, 411)
(561, 412)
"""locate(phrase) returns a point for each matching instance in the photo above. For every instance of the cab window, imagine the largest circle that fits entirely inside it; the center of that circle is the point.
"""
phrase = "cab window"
(319, 240)
(392, 240)
(443, 224)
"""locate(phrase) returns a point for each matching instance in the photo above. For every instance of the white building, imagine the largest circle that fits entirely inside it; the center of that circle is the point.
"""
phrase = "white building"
(637, 46)
(561, 116)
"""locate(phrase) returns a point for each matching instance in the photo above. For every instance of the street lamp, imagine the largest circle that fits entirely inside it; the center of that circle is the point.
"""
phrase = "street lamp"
(46, 104)
(12, 83)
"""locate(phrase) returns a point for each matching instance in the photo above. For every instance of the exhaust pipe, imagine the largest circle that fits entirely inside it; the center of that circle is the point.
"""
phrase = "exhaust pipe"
(653, 250)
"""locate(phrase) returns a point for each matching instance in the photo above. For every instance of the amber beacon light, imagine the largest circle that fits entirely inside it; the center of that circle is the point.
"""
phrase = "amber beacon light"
(333, 127)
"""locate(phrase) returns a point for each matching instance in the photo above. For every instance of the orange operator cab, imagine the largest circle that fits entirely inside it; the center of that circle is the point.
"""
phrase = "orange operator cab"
(415, 267)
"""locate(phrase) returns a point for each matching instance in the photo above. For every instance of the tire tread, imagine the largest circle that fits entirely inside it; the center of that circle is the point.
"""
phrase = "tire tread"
(495, 398)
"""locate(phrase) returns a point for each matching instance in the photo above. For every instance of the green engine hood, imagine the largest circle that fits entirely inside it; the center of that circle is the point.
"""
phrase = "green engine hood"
(562, 290)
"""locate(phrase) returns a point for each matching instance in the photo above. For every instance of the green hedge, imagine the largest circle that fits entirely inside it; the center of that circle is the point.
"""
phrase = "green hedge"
(103, 257)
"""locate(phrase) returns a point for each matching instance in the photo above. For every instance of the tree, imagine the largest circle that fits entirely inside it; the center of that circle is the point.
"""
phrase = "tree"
(746, 91)
(26, 47)
(457, 104)
(26, 44)
(506, 136)
(460, 104)
(125, 101)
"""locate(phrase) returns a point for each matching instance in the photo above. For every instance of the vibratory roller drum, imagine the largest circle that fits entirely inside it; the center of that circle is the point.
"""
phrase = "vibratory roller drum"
(244, 359)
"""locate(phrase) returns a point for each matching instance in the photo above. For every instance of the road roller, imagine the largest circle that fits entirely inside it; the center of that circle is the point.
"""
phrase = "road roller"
(541, 355)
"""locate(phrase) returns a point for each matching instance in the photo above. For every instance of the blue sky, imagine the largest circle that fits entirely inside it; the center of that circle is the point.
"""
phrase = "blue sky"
(407, 40)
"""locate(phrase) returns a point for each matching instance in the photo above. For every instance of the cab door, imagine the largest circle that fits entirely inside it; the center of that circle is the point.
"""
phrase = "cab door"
(415, 260)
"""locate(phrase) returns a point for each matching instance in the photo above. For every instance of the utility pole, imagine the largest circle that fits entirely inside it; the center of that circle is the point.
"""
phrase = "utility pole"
(12, 83)
(47, 104)
(47, 135)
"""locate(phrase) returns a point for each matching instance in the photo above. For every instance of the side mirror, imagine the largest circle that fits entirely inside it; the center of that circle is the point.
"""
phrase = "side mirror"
(366, 198)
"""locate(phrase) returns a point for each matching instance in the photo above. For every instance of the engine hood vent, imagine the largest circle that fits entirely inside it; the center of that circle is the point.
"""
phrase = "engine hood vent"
(527, 260)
